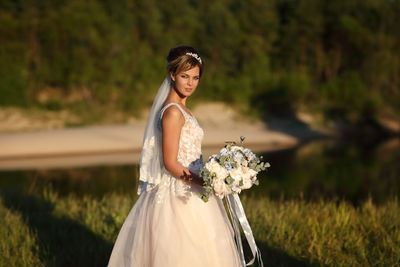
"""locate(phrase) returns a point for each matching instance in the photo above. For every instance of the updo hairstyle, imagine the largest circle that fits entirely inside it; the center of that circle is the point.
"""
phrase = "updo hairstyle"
(178, 60)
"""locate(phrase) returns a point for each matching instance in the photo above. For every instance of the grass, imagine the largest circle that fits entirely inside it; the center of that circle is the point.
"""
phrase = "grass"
(43, 229)
(326, 232)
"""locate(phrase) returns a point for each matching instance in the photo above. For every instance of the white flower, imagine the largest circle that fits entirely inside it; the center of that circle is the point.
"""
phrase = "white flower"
(236, 174)
(234, 148)
(224, 151)
(250, 173)
(220, 188)
(214, 167)
(247, 183)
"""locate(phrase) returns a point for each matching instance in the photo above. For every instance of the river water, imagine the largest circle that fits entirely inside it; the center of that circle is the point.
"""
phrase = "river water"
(320, 169)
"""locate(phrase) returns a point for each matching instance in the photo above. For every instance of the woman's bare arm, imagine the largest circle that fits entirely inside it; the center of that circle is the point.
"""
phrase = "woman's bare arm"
(172, 123)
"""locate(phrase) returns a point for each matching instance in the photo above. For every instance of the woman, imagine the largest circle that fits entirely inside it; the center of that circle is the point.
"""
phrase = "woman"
(169, 225)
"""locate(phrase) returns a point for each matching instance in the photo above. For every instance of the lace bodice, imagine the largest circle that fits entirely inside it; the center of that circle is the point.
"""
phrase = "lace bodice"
(189, 155)
(189, 152)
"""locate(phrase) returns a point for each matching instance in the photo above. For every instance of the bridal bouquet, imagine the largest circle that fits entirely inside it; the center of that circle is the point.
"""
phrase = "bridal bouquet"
(234, 169)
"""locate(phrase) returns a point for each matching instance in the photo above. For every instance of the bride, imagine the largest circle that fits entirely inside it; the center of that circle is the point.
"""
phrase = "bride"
(169, 225)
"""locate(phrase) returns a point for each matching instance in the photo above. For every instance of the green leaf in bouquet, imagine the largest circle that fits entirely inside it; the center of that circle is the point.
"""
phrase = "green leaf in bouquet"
(230, 144)
(234, 164)
(253, 165)
(204, 197)
(223, 160)
(241, 152)
(229, 179)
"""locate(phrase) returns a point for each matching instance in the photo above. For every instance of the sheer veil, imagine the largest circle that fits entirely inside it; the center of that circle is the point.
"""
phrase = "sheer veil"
(151, 159)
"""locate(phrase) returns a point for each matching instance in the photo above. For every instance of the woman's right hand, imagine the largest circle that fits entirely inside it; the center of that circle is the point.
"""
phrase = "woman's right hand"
(193, 178)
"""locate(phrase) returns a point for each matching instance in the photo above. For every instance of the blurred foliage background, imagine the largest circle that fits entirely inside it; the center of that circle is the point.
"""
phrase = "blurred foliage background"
(339, 58)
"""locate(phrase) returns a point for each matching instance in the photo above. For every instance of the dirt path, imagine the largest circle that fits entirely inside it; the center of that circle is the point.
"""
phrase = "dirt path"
(70, 147)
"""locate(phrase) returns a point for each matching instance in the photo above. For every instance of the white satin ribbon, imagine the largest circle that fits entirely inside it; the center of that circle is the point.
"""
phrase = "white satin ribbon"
(237, 215)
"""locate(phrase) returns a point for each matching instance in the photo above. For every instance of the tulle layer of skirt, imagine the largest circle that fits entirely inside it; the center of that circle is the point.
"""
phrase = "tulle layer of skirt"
(165, 229)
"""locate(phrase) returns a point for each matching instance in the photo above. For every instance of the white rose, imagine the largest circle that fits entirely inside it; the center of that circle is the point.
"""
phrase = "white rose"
(214, 166)
(249, 173)
(236, 174)
(222, 173)
(247, 183)
(245, 163)
(219, 187)
(236, 148)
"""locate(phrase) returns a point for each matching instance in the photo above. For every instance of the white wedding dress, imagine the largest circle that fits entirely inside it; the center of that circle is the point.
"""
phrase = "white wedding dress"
(170, 225)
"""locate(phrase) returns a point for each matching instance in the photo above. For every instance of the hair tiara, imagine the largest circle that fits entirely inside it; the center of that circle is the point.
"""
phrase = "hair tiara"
(195, 56)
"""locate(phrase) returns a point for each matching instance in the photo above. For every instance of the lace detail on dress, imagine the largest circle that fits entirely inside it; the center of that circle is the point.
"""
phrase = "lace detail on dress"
(189, 155)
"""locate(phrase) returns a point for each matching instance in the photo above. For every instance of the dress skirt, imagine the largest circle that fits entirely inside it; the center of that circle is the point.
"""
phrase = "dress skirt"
(171, 226)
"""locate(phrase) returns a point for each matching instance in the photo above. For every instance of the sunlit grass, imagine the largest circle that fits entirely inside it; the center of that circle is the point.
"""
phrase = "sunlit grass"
(18, 243)
(328, 232)
(47, 230)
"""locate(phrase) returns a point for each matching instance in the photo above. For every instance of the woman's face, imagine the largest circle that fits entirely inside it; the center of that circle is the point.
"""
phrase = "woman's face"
(186, 81)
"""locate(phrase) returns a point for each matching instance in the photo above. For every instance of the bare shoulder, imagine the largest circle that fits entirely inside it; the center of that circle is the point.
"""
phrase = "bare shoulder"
(172, 115)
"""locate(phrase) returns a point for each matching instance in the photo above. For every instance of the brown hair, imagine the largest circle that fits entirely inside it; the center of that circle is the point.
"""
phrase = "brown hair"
(178, 61)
